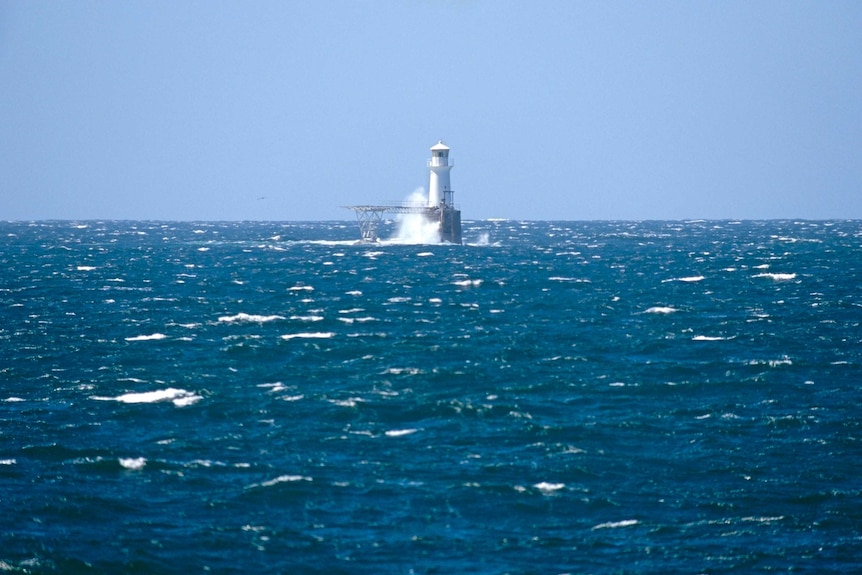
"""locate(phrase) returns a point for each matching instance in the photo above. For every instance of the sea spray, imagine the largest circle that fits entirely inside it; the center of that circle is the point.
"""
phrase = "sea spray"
(416, 228)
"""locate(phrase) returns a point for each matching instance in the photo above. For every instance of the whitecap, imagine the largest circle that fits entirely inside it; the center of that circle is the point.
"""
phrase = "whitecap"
(352, 402)
(351, 310)
(615, 524)
(133, 463)
(661, 309)
(772, 362)
(353, 292)
(567, 279)
(151, 337)
(764, 519)
(776, 277)
(468, 283)
(399, 432)
(306, 317)
(708, 338)
(424, 254)
(285, 479)
(402, 370)
(179, 397)
(687, 279)
(249, 318)
(300, 288)
(14, 399)
(187, 400)
(308, 335)
(85, 268)
(546, 487)
(274, 387)
(8, 461)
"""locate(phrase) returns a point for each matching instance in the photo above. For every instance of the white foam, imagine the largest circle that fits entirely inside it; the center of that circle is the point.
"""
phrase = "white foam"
(354, 292)
(8, 461)
(468, 283)
(661, 309)
(352, 402)
(151, 337)
(687, 279)
(424, 254)
(306, 317)
(187, 400)
(708, 338)
(285, 479)
(308, 335)
(776, 277)
(568, 279)
(402, 371)
(615, 524)
(764, 519)
(14, 399)
(249, 318)
(85, 268)
(300, 288)
(772, 362)
(546, 487)
(179, 397)
(274, 387)
(133, 463)
(400, 432)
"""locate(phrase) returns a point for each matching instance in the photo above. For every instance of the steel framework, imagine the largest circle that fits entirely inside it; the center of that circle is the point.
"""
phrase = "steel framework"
(370, 217)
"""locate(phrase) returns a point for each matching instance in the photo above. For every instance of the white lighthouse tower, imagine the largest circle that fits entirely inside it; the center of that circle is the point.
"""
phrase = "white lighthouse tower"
(439, 189)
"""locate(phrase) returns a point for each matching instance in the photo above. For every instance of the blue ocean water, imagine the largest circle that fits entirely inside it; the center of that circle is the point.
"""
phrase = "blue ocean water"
(551, 397)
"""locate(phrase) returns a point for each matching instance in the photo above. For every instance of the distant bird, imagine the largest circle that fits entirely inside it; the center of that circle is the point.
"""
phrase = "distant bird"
(261, 197)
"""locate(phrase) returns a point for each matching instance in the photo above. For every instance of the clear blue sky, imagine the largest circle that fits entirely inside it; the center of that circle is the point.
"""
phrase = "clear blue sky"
(553, 109)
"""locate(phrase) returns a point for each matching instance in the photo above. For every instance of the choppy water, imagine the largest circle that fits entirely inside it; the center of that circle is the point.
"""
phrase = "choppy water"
(658, 397)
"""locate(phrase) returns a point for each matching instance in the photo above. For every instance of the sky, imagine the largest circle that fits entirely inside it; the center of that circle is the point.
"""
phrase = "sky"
(553, 109)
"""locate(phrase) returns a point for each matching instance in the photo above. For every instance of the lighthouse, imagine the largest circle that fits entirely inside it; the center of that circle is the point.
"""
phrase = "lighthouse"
(439, 189)
(439, 211)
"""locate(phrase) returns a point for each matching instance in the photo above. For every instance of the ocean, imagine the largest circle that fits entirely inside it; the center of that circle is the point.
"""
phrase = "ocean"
(550, 397)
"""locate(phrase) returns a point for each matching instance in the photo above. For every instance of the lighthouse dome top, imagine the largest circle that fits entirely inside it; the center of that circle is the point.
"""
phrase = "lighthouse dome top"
(439, 146)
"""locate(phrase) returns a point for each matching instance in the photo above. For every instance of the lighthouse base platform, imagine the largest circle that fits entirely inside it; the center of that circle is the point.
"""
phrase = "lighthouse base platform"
(446, 217)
